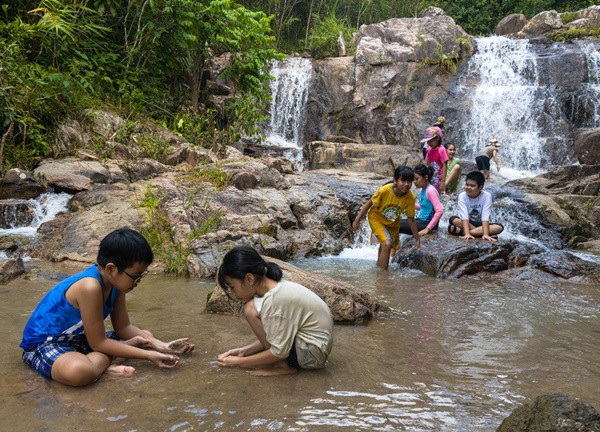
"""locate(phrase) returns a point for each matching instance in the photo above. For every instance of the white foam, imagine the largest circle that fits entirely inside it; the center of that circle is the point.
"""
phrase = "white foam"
(46, 207)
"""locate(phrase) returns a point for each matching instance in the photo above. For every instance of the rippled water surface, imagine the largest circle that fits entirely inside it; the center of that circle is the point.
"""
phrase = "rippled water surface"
(451, 356)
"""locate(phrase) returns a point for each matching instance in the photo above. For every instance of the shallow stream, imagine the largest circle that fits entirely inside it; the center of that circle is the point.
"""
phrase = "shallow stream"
(451, 356)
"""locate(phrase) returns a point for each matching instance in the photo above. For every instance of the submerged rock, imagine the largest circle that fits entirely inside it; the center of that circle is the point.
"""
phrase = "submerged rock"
(10, 269)
(556, 412)
(346, 302)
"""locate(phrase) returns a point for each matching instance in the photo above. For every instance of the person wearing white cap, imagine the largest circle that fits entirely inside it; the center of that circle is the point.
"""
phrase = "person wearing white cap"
(483, 158)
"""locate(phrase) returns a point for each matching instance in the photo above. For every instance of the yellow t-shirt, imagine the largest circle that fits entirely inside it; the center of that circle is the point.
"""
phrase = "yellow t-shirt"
(388, 208)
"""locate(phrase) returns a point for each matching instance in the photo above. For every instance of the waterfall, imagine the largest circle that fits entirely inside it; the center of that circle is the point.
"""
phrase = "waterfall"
(289, 94)
(585, 104)
(45, 208)
(507, 98)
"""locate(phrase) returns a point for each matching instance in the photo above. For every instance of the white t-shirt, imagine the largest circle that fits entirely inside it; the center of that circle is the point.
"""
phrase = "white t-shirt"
(475, 209)
(291, 312)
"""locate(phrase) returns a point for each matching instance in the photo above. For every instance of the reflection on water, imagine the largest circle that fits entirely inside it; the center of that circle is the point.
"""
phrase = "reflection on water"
(452, 356)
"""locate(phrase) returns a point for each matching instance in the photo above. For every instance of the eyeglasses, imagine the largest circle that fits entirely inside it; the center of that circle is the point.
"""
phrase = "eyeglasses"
(139, 278)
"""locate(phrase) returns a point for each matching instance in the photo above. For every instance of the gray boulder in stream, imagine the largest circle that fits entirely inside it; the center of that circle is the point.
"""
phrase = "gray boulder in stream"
(346, 302)
(449, 257)
(556, 412)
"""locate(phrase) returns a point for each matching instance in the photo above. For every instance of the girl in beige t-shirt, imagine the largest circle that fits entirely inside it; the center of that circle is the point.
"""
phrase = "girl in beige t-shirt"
(292, 324)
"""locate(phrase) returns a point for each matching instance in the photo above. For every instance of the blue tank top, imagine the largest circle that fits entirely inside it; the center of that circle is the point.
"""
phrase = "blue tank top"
(54, 315)
(426, 213)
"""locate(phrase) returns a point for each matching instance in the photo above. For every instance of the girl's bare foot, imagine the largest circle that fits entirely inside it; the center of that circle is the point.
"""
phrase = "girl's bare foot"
(120, 370)
(279, 368)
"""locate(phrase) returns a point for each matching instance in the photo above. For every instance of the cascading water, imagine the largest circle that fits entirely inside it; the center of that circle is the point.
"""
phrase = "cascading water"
(45, 208)
(289, 93)
(508, 100)
(585, 105)
(534, 98)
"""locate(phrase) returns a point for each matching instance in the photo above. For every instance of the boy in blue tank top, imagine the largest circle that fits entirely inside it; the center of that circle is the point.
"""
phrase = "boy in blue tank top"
(65, 339)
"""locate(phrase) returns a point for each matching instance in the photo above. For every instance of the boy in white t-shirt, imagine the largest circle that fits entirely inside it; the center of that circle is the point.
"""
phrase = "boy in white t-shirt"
(474, 210)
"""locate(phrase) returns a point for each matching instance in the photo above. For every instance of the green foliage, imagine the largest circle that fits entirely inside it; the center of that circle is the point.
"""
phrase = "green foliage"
(568, 17)
(211, 223)
(140, 56)
(323, 40)
(159, 233)
(214, 175)
(575, 33)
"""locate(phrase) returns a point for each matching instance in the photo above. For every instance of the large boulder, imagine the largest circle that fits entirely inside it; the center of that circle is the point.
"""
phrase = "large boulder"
(587, 147)
(10, 269)
(511, 24)
(452, 258)
(592, 14)
(556, 412)
(71, 175)
(69, 136)
(20, 184)
(346, 302)
(93, 214)
(380, 159)
(386, 93)
(146, 168)
(568, 197)
(542, 23)
(191, 155)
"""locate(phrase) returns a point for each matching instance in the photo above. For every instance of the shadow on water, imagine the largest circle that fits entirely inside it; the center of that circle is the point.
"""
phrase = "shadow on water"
(448, 356)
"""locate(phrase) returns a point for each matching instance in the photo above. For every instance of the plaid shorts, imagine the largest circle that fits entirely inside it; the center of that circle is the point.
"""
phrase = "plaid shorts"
(42, 357)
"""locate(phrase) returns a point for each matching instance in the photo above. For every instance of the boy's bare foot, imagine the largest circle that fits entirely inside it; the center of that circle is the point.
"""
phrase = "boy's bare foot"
(279, 368)
(120, 370)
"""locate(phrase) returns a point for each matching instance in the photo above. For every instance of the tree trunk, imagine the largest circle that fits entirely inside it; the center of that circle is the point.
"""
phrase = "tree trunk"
(341, 44)
(308, 24)
(196, 80)
(6, 134)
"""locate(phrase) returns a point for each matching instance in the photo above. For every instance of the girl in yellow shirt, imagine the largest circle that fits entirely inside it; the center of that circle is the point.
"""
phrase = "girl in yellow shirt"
(386, 208)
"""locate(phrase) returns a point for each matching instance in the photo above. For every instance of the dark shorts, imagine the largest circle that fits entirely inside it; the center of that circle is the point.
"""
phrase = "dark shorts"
(476, 224)
(42, 357)
(292, 359)
(483, 163)
(421, 225)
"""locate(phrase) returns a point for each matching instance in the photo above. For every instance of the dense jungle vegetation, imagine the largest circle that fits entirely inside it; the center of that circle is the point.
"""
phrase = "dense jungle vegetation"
(146, 57)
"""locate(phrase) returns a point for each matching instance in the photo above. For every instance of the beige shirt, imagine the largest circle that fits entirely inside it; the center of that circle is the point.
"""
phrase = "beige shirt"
(291, 312)
(488, 151)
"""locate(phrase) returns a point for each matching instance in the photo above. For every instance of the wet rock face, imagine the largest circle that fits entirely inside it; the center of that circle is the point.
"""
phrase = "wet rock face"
(346, 302)
(15, 213)
(450, 257)
(568, 198)
(556, 412)
(20, 184)
(10, 269)
(587, 147)
(511, 24)
(389, 87)
(380, 159)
